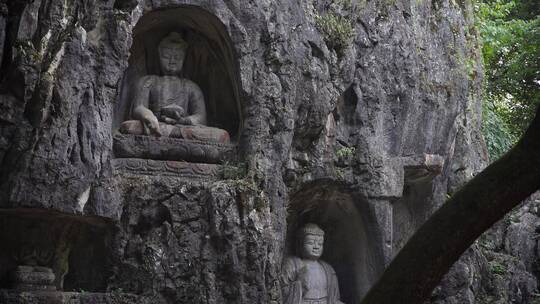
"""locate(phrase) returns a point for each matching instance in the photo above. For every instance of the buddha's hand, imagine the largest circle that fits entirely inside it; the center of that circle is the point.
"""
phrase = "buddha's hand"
(150, 124)
(172, 112)
(184, 121)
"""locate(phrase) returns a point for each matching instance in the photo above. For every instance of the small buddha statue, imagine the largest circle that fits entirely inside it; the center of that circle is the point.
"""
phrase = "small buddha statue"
(30, 274)
(305, 278)
(168, 105)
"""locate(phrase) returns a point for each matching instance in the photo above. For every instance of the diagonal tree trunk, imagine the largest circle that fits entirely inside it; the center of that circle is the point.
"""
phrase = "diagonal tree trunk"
(433, 249)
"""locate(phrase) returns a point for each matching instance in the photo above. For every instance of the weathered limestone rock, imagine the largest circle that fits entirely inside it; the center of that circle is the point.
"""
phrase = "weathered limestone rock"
(368, 134)
(501, 267)
(188, 241)
(45, 297)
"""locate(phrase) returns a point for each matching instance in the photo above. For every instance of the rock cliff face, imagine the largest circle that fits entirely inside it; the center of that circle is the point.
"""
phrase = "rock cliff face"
(361, 116)
(501, 267)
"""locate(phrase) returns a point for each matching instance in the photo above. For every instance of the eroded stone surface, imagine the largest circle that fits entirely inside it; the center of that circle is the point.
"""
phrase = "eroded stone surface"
(183, 242)
(501, 267)
(166, 168)
(406, 85)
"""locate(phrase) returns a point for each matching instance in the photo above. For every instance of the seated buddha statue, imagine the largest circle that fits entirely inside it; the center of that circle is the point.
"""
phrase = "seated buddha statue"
(168, 105)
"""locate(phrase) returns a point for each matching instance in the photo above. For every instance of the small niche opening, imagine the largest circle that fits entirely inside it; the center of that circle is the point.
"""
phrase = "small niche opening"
(75, 249)
(411, 210)
(353, 242)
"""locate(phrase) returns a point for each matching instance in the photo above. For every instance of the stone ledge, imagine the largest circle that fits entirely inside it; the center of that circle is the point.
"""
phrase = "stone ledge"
(172, 149)
(423, 167)
(166, 168)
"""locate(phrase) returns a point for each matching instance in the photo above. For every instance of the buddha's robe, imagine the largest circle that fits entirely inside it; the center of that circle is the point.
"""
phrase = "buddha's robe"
(296, 283)
(157, 93)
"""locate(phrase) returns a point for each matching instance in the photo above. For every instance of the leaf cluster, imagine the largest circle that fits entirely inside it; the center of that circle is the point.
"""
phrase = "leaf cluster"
(497, 132)
(345, 152)
(511, 52)
(338, 31)
(337, 24)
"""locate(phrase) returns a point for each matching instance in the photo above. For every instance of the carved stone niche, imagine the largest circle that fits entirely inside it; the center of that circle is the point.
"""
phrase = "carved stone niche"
(49, 251)
(353, 241)
(416, 204)
(180, 58)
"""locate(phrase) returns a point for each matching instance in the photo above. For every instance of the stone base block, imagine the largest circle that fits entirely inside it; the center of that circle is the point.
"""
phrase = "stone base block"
(166, 148)
(166, 168)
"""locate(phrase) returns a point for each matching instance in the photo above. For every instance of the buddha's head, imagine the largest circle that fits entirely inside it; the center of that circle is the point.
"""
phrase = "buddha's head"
(172, 51)
(311, 240)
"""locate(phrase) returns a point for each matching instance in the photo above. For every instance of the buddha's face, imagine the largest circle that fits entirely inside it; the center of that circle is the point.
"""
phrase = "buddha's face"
(171, 60)
(312, 248)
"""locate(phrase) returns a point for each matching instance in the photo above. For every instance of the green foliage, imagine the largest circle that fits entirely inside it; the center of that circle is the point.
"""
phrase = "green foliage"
(514, 218)
(234, 172)
(497, 268)
(25, 50)
(337, 24)
(345, 152)
(344, 155)
(338, 31)
(486, 244)
(497, 132)
(510, 31)
(340, 173)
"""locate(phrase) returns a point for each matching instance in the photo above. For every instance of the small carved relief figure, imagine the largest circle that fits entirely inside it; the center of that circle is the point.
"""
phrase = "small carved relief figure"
(33, 278)
(31, 275)
(306, 279)
(168, 105)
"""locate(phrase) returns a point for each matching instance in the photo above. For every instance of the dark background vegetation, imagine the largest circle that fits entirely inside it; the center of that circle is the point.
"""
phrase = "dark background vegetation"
(510, 31)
